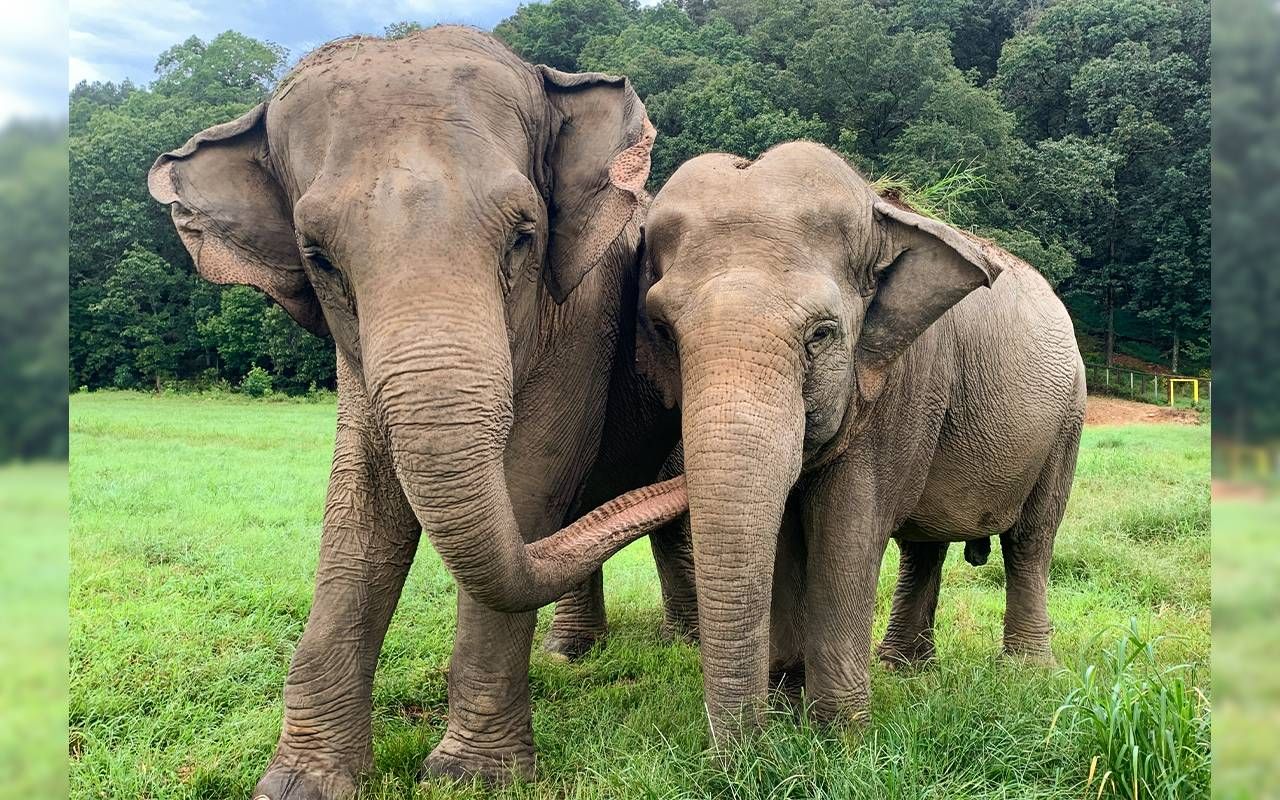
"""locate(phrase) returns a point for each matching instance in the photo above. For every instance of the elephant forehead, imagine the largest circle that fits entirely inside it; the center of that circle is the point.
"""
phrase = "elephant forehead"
(742, 233)
(447, 93)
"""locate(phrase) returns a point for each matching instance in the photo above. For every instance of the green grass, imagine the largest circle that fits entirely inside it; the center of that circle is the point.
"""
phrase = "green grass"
(33, 636)
(195, 528)
(1246, 724)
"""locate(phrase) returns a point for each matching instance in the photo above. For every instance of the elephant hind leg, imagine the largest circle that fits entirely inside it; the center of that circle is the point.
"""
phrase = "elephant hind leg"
(1028, 549)
(579, 621)
(909, 637)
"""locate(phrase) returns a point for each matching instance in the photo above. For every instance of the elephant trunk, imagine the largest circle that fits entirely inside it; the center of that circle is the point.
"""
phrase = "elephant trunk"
(743, 432)
(440, 384)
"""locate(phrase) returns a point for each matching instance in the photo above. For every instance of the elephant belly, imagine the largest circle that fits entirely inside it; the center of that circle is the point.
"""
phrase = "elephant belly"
(958, 505)
(1018, 385)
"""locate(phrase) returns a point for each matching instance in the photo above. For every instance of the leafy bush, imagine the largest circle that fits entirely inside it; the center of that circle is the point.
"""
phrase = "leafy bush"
(1147, 725)
(257, 382)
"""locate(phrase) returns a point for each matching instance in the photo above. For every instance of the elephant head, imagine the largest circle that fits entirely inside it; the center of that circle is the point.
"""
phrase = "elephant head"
(428, 202)
(780, 294)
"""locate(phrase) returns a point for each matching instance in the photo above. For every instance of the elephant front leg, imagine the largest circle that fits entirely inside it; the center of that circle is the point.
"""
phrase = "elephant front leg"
(490, 730)
(787, 610)
(845, 547)
(672, 547)
(370, 536)
(579, 620)
(909, 638)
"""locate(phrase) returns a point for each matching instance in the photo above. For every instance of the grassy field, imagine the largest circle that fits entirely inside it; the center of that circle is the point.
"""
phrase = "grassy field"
(1246, 726)
(33, 638)
(195, 528)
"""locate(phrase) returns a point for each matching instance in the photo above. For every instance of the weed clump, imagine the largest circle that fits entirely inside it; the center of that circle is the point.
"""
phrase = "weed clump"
(1147, 725)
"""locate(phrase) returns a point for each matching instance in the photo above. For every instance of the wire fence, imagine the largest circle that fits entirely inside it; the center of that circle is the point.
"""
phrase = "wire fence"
(1149, 387)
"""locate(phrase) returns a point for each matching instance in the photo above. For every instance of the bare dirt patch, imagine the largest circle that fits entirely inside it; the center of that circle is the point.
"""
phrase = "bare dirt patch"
(1235, 490)
(1102, 410)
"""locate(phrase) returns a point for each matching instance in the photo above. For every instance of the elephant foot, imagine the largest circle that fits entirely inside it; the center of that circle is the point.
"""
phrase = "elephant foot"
(787, 683)
(570, 646)
(852, 712)
(679, 627)
(493, 768)
(896, 656)
(1032, 655)
(285, 782)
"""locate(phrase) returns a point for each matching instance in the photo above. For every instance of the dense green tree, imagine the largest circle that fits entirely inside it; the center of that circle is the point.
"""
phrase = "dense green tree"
(555, 33)
(1121, 85)
(143, 304)
(236, 330)
(299, 361)
(976, 29)
(1073, 132)
(1246, 205)
(230, 68)
(33, 291)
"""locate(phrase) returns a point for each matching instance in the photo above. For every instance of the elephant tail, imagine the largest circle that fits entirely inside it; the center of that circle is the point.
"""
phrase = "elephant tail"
(976, 551)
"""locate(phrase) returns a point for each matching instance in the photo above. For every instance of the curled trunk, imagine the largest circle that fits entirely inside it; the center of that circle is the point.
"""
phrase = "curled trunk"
(440, 384)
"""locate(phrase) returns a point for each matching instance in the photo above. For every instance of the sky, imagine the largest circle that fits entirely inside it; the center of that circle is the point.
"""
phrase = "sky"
(117, 39)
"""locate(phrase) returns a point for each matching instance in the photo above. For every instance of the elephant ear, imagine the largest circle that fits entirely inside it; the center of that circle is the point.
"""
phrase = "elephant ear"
(925, 267)
(599, 162)
(233, 217)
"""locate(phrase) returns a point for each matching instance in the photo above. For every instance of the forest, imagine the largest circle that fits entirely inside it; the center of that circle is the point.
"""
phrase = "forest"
(1075, 133)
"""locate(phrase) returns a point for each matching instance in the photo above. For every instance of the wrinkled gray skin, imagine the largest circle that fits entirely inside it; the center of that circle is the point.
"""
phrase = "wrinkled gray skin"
(846, 377)
(464, 225)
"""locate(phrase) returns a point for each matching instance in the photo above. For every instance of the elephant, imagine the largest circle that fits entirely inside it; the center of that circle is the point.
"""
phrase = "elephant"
(848, 371)
(464, 226)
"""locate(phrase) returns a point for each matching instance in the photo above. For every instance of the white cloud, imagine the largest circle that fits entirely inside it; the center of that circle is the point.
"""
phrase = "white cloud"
(81, 70)
(355, 15)
(114, 39)
(33, 59)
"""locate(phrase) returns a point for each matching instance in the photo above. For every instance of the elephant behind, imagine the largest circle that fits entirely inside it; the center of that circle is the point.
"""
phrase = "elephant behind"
(464, 226)
(849, 371)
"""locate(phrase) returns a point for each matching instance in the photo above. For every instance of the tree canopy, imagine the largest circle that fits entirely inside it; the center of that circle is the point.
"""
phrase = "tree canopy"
(33, 291)
(1076, 133)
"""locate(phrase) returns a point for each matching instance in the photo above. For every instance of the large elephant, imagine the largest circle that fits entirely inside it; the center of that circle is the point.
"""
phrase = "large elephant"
(845, 376)
(464, 226)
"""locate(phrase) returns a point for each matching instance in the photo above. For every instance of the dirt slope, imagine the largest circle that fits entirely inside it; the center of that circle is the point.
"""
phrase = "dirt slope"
(1114, 411)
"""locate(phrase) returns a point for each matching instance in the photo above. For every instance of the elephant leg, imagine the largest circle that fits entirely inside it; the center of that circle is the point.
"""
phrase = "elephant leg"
(490, 730)
(370, 536)
(672, 547)
(909, 638)
(787, 609)
(1028, 549)
(845, 543)
(579, 620)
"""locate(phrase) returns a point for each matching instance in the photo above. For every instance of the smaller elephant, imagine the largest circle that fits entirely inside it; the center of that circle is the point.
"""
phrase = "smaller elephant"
(848, 372)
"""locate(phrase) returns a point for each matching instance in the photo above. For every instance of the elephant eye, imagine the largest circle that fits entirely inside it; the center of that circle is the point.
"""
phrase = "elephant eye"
(518, 243)
(663, 332)
(521, 237)
(820, 336)
(318, 258)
